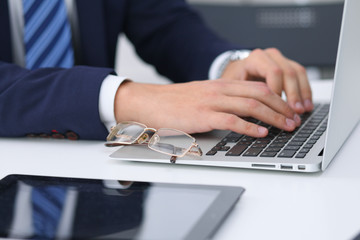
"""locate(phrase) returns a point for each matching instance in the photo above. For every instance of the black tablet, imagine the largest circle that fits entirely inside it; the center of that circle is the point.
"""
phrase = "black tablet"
(72, 208)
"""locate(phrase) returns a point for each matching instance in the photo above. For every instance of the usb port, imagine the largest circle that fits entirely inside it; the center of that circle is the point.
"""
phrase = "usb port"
(301, 167)
(286, 167)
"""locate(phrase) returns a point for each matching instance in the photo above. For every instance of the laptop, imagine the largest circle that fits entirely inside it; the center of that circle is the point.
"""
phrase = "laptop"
(310, 148)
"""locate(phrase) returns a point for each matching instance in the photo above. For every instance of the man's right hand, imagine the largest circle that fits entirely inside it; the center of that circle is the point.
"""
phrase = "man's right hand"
(202, 106)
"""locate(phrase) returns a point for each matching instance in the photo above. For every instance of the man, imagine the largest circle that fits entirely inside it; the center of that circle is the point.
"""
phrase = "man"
(172, 37)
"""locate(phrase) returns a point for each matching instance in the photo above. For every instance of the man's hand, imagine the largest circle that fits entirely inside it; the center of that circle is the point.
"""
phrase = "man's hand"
(281, 74)
(201, 106)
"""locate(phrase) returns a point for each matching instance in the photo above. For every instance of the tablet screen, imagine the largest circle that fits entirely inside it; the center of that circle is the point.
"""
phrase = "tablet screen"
(73, 208)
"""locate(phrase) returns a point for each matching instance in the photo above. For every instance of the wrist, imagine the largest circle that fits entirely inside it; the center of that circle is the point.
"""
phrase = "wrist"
(139, 102)
(231, 57)
(122, 101)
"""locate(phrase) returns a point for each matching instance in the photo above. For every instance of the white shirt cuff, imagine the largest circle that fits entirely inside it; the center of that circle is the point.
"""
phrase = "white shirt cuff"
(107, 94)
(220, 62)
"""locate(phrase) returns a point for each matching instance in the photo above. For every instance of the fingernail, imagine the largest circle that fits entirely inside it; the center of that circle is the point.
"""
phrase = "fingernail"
(299, 106)
(297, 119)
(262, 131)
(308, 105)
(290, 123)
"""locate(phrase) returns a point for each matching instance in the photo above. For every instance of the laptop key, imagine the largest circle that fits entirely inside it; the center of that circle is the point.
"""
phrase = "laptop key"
(260, 141)
(280, 145)
(259, 145)
(246, 143)
(272, 149)
(303, 135)
(220, 148)
(230, 139)
(295, 148)
(236, 150)
(250, 119)
(211, 153)
(308, 145)
(287, 153)
(299, 139)
(221, 144)
(252, 152)
(315, 137)
(268, 154)
(300, 155)
(247, 138)
(311, 128)
(304, 131)
(283, 137)
(294, 143)
(284, 140)
(234, 134)
(322, 129)
(318, 133)
(304, 150)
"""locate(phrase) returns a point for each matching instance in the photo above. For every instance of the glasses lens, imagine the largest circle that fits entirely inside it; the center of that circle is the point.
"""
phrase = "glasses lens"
(171, 141)
(127, 132)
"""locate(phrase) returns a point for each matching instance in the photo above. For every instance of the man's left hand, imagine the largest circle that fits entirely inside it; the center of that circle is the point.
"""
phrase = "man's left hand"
(280, 73)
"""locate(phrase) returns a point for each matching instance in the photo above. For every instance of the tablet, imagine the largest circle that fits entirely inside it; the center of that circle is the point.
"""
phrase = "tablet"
(73, 208)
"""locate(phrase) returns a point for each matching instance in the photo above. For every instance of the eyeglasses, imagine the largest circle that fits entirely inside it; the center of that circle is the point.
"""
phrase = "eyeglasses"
(172, 142)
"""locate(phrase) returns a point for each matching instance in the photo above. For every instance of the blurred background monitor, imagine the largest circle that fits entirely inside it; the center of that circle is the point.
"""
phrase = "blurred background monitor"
(306, 31)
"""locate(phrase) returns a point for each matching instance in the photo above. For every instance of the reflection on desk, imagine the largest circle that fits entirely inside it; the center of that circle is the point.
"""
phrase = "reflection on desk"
(63, 210)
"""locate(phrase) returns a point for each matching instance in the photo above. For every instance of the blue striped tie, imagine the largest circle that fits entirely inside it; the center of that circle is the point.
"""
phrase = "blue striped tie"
(47, 34)
(47, 205)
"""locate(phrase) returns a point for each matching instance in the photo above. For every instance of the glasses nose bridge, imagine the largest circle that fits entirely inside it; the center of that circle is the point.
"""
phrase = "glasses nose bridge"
(146, 135)
(150, 129)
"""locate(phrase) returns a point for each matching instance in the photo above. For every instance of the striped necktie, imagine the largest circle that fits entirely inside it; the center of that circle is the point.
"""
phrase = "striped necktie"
(47, 34)
(47, 205)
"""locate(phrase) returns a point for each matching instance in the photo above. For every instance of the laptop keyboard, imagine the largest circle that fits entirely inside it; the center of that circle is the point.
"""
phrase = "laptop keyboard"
(277, 143)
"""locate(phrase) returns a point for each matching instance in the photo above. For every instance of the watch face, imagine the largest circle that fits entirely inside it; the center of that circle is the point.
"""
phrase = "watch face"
(231, 56)
(239, 55)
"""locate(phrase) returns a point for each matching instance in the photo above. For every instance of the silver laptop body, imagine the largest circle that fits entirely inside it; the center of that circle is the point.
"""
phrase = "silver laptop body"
(343, 116)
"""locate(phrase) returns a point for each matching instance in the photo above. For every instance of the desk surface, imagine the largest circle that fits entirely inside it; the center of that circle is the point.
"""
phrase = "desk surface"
(276, 205)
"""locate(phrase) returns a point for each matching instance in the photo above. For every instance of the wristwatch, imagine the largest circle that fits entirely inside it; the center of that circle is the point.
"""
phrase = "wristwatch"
(233, 56)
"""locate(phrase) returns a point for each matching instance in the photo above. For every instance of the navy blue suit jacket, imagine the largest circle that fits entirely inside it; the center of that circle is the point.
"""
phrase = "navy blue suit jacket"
(167, 34)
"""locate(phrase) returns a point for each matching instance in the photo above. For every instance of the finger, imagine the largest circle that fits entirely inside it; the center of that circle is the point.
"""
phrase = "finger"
(248, 107)
(291, 80)
(292, 91)
(258, 63)
(259, 91)
(304, 85)
(226, 121)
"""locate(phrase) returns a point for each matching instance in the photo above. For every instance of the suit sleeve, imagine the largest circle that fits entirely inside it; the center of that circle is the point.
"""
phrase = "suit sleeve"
(51, 99)
(173, 37)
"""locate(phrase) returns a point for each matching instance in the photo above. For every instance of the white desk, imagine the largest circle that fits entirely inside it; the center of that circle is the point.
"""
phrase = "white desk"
(276, 205)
